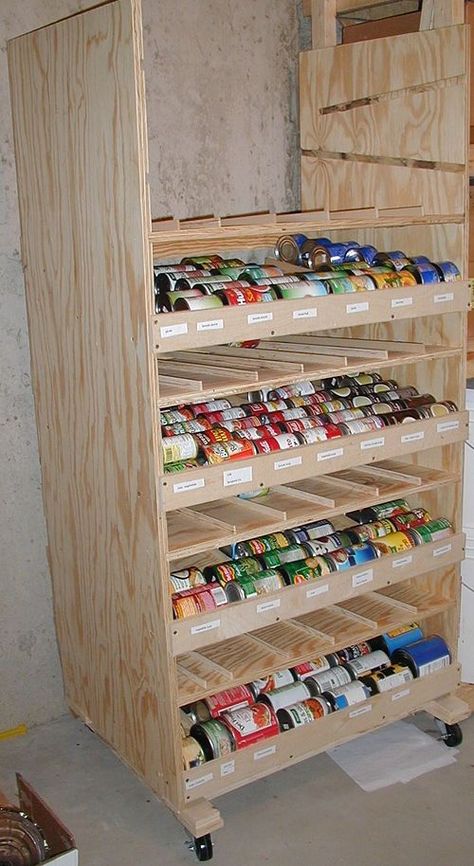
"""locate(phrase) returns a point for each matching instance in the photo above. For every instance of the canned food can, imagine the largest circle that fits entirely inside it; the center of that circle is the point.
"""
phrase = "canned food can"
(286, 695)
(272, 682)
(330, 679)
(211, 406)
(448, 271)
(205, 598)
(181, 466)
(165, 281)
(237, 297)
(232, 570)
(321, 565)
(394, 542)
(360, 553)
(397, 638)
(249, 725)
(238, 590)
(193, 753)
(353, 652)
(347, 695)
(425, 656)
(277, 443)
(298, 572)
(380, 511)
(282, 279)
(326, 544)
(184, 606)
(215, 705)
(318, 434)
(371, 661)
(368, 253)
(270, 580)
(392, 279)
(390, 678)
(434, 530)
(302, 289)
(411, 519)
(186, 578)
(314, 255)
(301, 425)
(288, 247)
(437, 410)
(424, 274)
(372, 531)
(395, 258)
(318, 528)
(275, 558)
(190, 282)
(194, 426)
(302, 713)
(361, 425)
(340, 285)
(234, 450)
(211, 259)
(309, 669)
(346, 415)
(214, 738)
(214, 434)
(179, 448)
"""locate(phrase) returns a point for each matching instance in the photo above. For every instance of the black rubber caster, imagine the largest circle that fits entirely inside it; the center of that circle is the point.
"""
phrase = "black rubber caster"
(203, 847)
(451, 735)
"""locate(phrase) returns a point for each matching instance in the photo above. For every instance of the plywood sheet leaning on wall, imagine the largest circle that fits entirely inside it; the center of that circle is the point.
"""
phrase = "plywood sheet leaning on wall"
(377, 121)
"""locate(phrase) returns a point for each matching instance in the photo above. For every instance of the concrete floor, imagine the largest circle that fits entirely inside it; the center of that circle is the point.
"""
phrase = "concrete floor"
(311, 814)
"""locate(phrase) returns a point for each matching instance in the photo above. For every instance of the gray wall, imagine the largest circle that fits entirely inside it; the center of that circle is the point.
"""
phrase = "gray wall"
(223, 138)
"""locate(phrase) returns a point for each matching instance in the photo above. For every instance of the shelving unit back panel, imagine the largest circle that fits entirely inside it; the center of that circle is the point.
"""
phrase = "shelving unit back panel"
(78, 106)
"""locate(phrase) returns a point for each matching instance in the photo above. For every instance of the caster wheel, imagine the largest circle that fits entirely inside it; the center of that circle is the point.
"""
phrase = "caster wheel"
(203, 847)
(450, 734)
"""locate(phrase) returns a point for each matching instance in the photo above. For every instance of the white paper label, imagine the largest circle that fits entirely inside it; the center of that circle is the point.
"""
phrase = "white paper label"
(413, 437)
(357, 308)
(402, 694)
(285, 464)
(330, 455)
(210, 325)
(227, 768)
(401, 302)
(201, 780)
(237, 476)
(363, 577)
(405, 560)
(439, 551)
(264, 753)
(373, 443)
(317, 590)
(447, 425)
(206, 626)
(308, 313)
(440, 299)
(256, 318)
(360, 711)
(174, 330)
(268, 605)
(185, 486)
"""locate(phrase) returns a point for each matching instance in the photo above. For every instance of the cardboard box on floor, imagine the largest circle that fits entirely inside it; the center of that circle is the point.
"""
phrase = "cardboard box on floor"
(62, 847)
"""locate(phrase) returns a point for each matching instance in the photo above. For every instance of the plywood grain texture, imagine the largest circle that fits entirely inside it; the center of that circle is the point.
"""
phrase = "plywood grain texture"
(84, 217)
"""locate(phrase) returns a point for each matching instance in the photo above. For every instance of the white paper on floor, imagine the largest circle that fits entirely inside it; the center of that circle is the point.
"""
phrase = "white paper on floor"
(396, 753)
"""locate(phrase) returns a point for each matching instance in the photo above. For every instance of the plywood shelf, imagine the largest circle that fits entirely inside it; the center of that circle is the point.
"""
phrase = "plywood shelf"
(197, 328)
(200, 375)
(209, 483)
(230, 621)
(197, 238)
(225, 774)
(261, 651)
(223, 522)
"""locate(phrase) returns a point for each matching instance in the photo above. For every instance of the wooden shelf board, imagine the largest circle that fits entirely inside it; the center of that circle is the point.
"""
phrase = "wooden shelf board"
(250, 374)
(202, 238)
(232, 620)
(245, 658)
(189, 534)
(255, 762)
(208, 483)
(171, 332)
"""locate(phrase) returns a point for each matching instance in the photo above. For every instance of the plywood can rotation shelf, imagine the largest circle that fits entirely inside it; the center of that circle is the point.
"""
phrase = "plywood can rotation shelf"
(104, 365)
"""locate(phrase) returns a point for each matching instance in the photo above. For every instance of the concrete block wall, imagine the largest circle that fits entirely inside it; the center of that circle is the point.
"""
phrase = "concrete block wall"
(222, 112)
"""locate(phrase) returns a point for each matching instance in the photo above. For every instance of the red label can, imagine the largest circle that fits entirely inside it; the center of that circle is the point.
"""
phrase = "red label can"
(251, 724)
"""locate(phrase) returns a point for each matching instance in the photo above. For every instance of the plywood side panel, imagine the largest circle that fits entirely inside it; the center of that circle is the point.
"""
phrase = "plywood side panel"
(77, 91)
(337, 184)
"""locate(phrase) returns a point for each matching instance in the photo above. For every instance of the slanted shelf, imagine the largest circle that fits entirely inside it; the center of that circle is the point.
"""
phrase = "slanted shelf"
(117, 523)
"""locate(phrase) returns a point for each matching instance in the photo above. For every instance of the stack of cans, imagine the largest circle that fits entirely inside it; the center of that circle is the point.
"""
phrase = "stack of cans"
(243, 715)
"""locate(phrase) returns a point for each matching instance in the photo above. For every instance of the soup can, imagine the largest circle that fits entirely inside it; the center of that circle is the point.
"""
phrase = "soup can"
(286, 695)
(249, 725)
(232, 570)
(367, 662)
(272, 682)
(214, 738)
(396, 258)
(193, 753)
(275, 558)
(302, 289)
(424, 274)
(313, 255)
(347, 695)
(321, 565)
(425, 656)
(447, 271)
(234, 450)
(298, 572)
(277, 443)
(309, 669)
(186, 578)
(394, 542)
(215, 434)
(215, 705)
(397, 638)
(380, 511)
(318, 528)
(302, 713)
(411, 519)
(237, 297)
(210, 406)
(361, 425)
(330, 679)
(238, 590)
(319, 434)
(372, 531)
(179, 448)
(389, 678)
(349, 653)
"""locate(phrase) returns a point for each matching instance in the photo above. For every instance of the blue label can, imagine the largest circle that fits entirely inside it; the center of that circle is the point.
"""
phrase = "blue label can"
(368, 253)
(425, 656)
(420, 260)
(447, 271)
(400, 637)
(337, 253)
